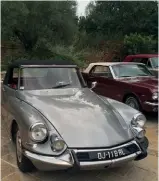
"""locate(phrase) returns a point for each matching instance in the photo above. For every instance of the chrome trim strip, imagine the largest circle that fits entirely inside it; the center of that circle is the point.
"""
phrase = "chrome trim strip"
(48, 66)
(151, 103)
(116, 147)
(108, 162)
(113, 74)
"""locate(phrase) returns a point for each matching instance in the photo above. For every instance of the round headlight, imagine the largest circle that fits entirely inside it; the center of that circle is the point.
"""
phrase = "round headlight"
(138, 132)
(138, 120)
(58, 144)
(155, 96)
(38, 132)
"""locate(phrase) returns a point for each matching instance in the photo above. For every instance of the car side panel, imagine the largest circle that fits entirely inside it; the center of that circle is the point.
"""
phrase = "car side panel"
(7, 110)
(117, 90)
(109, 87)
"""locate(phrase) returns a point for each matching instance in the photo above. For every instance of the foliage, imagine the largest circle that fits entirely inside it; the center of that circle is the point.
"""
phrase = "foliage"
(112, 20)
(71, 53)
(31, 22)
(57, 52)
(137, 43)
(51, 29)
(123, 16)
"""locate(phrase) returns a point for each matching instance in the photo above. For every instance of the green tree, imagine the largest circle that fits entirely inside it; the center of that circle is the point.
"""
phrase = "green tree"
(115, 19)
(137, 43)
(38, 24)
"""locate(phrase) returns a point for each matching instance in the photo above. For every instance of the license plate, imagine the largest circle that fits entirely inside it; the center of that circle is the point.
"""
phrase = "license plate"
(108, 154)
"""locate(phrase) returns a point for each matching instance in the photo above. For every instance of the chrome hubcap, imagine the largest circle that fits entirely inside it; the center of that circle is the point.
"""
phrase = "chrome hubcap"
(132, 103)
(19, 146)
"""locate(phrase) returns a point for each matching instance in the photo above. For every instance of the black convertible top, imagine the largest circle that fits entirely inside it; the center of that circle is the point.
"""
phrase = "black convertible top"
(19, 63)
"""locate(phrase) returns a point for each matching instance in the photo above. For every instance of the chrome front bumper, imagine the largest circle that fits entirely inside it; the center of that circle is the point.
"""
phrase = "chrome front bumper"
(68, 160)
(48, 163)
(106, 164)
(150, 106)
(151, 103)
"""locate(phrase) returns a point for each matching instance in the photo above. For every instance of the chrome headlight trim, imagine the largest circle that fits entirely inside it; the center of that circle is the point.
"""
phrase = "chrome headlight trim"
(138, 132)
(58, 145)
(138, 120)
(155, 96)
(44, 131)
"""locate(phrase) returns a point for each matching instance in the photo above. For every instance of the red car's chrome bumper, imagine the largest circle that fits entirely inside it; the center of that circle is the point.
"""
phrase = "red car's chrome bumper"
(150, 106)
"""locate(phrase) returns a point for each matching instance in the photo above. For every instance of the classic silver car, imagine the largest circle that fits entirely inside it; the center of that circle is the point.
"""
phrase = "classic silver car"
(58, 123)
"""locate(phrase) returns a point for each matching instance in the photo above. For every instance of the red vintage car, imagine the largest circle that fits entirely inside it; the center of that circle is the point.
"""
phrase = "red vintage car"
(150, 60)
(130, 83)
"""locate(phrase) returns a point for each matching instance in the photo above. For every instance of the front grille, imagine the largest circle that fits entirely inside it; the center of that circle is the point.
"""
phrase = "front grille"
(133, 148)
(83, 156)
(92, 155)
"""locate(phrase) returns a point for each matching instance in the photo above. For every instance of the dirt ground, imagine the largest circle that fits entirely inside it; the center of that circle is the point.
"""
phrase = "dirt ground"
(144, 170)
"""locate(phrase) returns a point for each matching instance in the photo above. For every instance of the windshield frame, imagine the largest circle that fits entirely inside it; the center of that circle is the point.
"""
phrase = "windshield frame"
(152, 64)
(116, 77)
(79, 75)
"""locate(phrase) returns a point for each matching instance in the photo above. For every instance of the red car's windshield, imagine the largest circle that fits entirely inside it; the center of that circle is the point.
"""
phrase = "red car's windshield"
(130, 70)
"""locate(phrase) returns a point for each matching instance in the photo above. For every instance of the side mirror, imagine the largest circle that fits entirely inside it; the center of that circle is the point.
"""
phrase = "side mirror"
(93, 85)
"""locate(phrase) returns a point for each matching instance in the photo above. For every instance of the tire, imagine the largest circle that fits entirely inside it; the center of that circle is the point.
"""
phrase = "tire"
(24, 164)
(133, 102)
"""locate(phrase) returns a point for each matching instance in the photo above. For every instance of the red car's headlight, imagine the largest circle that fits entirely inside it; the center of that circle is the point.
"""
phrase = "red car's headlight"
(155, 96)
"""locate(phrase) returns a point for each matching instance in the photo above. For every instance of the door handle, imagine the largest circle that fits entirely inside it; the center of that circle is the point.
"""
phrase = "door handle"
(3, 89)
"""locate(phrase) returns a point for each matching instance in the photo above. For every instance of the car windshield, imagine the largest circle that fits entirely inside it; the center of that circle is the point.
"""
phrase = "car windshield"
(130, 70)
(49, 78)
(154, 62)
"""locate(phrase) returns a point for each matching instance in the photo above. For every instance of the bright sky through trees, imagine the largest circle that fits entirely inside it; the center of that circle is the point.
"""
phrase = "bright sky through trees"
(82, 4)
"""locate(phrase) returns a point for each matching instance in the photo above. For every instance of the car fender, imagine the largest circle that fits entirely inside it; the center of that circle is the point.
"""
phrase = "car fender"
(125, 111)
(25, 116)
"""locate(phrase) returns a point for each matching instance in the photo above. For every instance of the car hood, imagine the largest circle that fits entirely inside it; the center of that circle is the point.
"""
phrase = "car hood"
(81, 117)
(149, 82)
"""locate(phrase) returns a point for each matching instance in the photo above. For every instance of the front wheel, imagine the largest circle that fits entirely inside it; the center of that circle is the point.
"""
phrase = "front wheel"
(133, 102)
(24, 164)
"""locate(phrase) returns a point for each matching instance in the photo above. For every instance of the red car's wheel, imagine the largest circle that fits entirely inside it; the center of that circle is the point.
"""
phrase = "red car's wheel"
(133, 102)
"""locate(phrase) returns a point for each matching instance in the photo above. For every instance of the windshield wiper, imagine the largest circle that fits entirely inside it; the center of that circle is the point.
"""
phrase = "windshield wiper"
(125, 76)
(61, 85)
(143, 75)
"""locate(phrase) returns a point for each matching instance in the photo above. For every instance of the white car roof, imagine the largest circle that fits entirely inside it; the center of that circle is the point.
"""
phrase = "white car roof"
(107, 64)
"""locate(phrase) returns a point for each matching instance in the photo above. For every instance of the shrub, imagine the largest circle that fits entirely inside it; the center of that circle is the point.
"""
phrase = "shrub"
(70, 53)
(47, 52)
(137, 44)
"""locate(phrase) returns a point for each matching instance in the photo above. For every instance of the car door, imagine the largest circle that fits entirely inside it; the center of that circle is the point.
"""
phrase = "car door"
(106, 85)
(9, 91)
